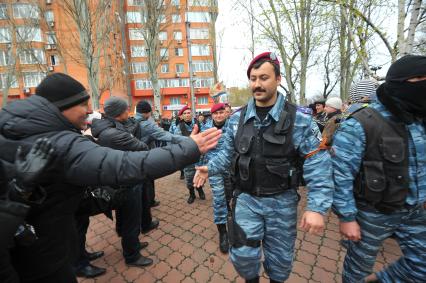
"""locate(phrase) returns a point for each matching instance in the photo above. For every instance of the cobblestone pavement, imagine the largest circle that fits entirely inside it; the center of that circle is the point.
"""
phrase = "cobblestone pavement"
(185, 246)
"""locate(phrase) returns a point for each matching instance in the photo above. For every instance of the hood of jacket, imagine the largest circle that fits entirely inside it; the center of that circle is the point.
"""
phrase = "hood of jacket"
(30, 117)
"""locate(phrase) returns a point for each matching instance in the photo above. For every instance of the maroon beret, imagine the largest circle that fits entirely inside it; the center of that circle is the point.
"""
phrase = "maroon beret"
(186, 107)
(217, 107)
(265, 55)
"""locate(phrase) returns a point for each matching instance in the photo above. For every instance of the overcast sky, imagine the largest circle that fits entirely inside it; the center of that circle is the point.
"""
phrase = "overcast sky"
(234, 56)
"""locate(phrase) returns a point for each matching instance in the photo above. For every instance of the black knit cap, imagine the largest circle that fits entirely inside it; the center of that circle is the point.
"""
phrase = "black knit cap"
(406, 68)
(143, 107)
(62, 90)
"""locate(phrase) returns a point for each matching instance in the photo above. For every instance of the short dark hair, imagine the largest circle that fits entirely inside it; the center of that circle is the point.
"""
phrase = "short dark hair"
(262, 61)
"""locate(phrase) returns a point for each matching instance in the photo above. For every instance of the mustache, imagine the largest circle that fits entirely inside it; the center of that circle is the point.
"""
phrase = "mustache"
(258, 89)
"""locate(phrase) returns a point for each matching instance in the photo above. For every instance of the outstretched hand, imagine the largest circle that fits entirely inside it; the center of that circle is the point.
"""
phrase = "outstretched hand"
(205, 140)
(29, 168)
(200, 176)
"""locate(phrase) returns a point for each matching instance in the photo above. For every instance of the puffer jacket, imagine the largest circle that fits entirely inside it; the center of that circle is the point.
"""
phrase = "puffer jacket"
(78, 163)
(113, 134)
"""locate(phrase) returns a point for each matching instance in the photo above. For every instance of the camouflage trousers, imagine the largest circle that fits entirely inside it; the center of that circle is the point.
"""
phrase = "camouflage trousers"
(189, 172)
(408, 226)
(220, 205)
(271, 220)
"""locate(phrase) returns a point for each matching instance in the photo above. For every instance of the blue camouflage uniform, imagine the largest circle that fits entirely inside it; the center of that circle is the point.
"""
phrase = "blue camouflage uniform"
(273, 219)
(408, 225)
(189, 170)
(217, 182)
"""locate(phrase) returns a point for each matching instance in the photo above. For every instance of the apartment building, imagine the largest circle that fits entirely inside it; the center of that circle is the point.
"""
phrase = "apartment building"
(186, 41)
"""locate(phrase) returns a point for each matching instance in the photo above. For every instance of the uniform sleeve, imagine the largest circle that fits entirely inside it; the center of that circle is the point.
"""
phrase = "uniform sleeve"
(348, 147)
(159, 134)
(220, 160)
(85, 162)
(317, 169)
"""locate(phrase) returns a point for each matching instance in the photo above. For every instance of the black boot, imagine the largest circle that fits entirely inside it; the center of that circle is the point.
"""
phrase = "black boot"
(201, 193)
(223, 238)
(273, 281)
(191, 198)
(254, 280)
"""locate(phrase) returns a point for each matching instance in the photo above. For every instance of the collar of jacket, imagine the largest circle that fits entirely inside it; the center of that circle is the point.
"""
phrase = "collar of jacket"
(274, 113)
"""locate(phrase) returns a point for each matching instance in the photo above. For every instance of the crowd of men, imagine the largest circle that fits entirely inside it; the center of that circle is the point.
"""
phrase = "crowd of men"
(366, 162)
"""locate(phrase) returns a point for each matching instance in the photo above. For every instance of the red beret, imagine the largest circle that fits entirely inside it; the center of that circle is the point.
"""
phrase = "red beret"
(186, 107)
(267, 56)
(217, 107)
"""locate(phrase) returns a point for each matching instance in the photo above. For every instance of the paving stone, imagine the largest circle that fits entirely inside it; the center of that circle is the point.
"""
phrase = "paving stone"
(185, 246)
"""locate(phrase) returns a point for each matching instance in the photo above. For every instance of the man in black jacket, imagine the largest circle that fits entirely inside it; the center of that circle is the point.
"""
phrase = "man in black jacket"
(59, 111)
(111, 132)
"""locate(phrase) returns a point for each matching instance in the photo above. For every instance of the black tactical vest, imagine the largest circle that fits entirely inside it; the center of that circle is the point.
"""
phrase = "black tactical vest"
(265, 159)
(383, 178)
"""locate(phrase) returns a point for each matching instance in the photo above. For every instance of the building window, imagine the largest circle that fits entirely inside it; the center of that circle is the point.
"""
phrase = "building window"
(179, 51)
(51, 37)
(8, 81)
(177, 35)
(29, 34)
(162, 19)
(32, 56)
(162, 35)
(49, 16)
(25, 11)
(174, 100)
(203, 82)
(4, 35)
(135, 2)
(3, 11)
(180, 68)
(203, 3)
(4, 58)
(54, 60)
(175, 2)
(136, 34)
(32, 79)
(139, 67)
(200, 50)
(198, 17)
(199, 33)
(137, 51)
(202, 66)
(164, 53)
(176, 18)
(143, 84)
(134, 17)
(203, 100)
(165, 68)
(166, 83)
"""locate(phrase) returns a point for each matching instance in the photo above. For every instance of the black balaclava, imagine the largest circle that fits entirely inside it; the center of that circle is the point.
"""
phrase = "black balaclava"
(405, 100)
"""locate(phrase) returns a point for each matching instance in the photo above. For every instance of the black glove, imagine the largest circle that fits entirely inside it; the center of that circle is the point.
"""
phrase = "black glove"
(29, 168)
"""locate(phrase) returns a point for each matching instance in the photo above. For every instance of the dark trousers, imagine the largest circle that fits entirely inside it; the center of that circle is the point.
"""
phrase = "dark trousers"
(130, 223)
(147, 197)
(82, 224)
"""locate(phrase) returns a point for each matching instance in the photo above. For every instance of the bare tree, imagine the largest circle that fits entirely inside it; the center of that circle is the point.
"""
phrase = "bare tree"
(93, 21)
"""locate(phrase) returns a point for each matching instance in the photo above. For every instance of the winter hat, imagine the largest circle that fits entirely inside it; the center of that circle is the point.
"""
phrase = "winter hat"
(362, 89)
(216, 107)
(269, 56)
(115, 106)
(186, 107)
(143, 107)
(334, 102)
(62, 90)
(406, 68)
